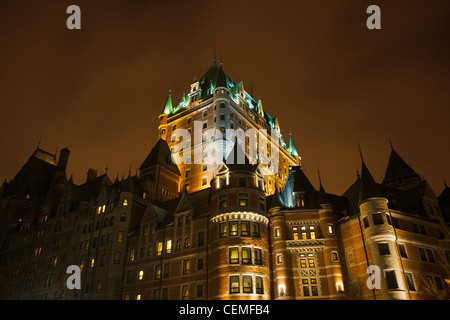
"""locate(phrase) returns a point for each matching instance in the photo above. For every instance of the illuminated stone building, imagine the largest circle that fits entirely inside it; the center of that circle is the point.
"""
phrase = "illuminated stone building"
(226, 230)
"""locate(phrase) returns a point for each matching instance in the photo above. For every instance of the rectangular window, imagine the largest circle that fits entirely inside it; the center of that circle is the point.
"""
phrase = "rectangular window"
(295, 233)
(377, 218)
(200, 264)
(140, 275)
(383, 248)
(311, 263)
(185, 292)
(334, 256)
(402, 250)
(186, 266)
(258, 256)
(330, 229)
(430, 255)
(243, 202)
(277, 232)
(259, 285)
(120, 236)
(199, 291)
(187, 242)
(234, 284)
(234, 255)
(256, 229)
(168, 246)
(158, 272)
(246, 255)
(391, 280)
(366, 222)
(204, 181)
(200, 238)
(166, 270)
(159, 248)
(410, 282)
(223, 230)
(245, 228)
(247, 286)
(223, 204)
(233, 228)
(422, 254)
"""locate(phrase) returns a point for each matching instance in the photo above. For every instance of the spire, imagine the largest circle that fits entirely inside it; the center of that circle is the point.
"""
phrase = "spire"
(292, 150)
(322, 196)
(168, 106)
(368, 187)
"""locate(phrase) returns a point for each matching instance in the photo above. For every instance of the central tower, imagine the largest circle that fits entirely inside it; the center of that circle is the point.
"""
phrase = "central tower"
(217, 102)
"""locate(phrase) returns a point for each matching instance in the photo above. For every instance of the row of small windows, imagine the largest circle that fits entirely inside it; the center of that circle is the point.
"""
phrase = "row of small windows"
(425, 254)
(106, 222)
(377, 219)
(164, 270)
(242, 228)
(163, 294)
(245, 255)
(246, 284)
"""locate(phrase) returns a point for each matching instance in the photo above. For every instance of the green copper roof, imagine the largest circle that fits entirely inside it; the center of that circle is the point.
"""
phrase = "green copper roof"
(292, 150)
(168, 106)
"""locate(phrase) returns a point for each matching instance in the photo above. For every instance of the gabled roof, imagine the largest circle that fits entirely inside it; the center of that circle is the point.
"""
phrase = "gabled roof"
(161, 155)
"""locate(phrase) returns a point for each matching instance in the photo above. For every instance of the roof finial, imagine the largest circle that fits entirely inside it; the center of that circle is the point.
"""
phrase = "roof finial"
(445, 183)
(318, 173)
(106, 170)
(56, 151)
(390, 142)
(357, 173)
(214, 58)
(360, 152)
(39, 143)
(221, 61)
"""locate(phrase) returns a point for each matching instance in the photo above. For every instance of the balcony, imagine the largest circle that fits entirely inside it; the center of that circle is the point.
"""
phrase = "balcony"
(305, 244)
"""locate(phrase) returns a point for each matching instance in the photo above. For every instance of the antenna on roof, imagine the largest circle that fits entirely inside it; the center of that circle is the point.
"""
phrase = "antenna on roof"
(56, 151)
(390, 142)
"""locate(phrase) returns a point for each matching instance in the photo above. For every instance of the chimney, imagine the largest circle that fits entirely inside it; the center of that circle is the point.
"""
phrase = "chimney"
(91, 175)
(63, 158)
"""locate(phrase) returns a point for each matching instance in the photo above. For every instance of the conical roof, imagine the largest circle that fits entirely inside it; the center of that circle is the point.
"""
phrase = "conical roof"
(168, 109)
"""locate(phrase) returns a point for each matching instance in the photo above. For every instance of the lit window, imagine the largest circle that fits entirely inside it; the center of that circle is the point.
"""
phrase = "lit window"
(158, 272)
(92, 263)
(185, 292)
(243, 202)
(259, 285)
(159, 248)
(103, 208)
(295, 233)
(222, 230)
(245, 228)
(138, 297)
(141, 275)
(279, 258)
(131, 255)
(233, 228)
(246, 256)
(312, 235)
(234, 284)
(99, 209)
(234, 255)
(168, 246)
(125, 202)
(330, 229)
(258, 256)
(247, 286)
(186, 266)
(277, 232)
(120, 236)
